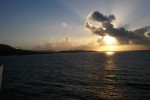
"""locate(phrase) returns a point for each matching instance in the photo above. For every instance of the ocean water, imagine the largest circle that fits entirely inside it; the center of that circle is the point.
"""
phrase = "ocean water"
(77, 76)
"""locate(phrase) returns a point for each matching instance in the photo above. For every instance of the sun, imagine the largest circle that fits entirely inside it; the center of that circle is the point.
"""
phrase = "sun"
(109, 40)
(110, 43)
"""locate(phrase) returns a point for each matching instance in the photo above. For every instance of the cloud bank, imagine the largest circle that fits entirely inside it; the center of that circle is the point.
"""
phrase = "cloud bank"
(66, 44)
(137, 36)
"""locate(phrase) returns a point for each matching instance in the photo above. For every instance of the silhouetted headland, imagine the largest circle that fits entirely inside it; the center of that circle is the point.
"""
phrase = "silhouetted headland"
(8, 50)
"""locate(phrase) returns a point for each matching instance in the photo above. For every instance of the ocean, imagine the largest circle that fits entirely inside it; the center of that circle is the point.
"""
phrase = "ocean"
(77, 76)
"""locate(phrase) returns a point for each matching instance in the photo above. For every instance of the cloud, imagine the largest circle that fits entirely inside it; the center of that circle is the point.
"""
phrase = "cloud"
(66, 44)
(147, 34)
(137, 36)
(57, 45)
(64, 24)
(100, 17)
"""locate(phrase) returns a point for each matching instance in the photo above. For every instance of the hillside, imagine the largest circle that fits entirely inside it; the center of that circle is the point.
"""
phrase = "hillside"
(8, 50)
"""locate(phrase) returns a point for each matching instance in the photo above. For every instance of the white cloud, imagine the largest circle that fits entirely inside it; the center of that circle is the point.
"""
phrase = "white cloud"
(64, 24)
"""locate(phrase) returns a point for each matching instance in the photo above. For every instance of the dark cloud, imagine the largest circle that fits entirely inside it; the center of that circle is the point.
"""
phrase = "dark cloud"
(137, 36)
(99, 31)
(142, 31)
(100, 17)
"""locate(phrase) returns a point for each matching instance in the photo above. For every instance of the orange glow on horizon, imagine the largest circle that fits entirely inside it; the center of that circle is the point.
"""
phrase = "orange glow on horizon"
(114, 48)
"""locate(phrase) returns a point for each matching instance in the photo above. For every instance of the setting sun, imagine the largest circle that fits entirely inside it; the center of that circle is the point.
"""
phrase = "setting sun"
(109, 40)
(110, 43)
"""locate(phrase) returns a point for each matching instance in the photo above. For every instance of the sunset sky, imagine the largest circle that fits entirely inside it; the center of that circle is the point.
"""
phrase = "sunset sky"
(60, 24)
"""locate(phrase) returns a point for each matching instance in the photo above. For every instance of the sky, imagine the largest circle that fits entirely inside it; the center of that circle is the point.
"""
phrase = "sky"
(60, 24)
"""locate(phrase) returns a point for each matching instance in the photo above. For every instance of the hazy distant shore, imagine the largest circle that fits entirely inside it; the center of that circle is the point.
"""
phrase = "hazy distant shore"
(6, 50)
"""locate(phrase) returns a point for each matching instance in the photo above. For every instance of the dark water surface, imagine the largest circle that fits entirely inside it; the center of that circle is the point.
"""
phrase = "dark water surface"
(77, 76)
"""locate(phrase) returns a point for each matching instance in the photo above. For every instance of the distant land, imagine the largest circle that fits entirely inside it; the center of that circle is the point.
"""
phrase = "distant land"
(6, 50)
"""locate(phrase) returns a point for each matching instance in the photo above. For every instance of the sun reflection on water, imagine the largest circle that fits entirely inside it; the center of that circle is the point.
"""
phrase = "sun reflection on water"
(103, 75)
(109, 53)
(110, 89)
